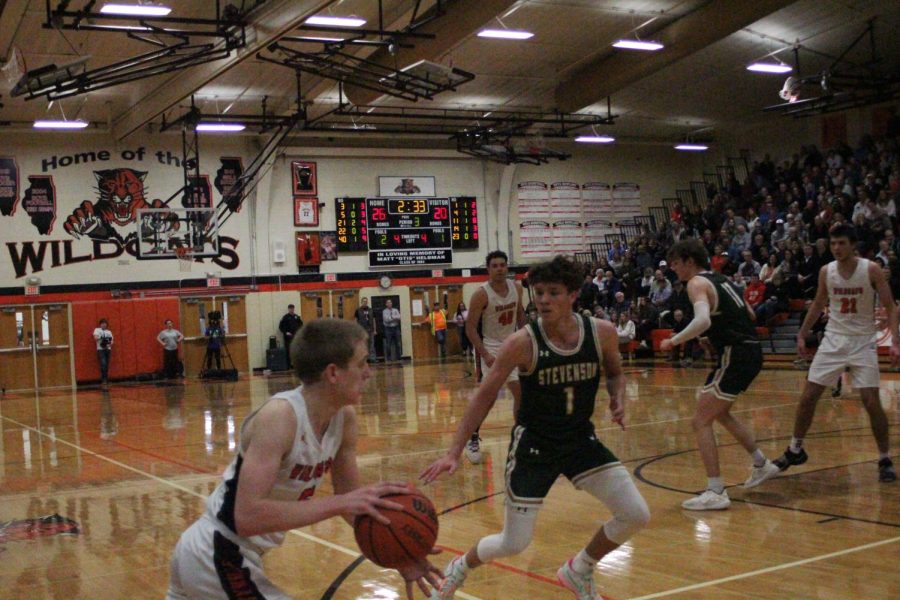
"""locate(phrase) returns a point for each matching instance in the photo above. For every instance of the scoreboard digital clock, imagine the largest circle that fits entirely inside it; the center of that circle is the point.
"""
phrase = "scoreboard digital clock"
(411, 231)
(406, 231)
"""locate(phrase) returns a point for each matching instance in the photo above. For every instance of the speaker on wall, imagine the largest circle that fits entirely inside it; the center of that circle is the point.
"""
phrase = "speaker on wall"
(278, 253)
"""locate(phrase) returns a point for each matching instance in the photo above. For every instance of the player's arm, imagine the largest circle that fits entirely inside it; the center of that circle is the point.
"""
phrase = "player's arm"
(876, 276)
(699, 293)
(270, 438)
(160, 340)
(515, 351)
(521, 320)
(815, 309)
(477, 304)
(612, 367)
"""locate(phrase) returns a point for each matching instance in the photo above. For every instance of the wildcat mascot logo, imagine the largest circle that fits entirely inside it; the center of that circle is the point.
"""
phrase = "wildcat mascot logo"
(121, 195)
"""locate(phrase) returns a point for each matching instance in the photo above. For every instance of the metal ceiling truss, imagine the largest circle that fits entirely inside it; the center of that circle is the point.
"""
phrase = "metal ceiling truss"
(177, 52)
(374, 37)
(333, 63)
(843, 84)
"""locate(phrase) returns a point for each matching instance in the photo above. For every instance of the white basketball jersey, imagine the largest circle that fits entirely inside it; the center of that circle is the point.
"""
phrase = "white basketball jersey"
(498, 320)
(298, 476)
(851, 302)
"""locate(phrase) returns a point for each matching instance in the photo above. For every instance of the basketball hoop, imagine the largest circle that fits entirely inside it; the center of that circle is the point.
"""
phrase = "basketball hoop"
(184, 259)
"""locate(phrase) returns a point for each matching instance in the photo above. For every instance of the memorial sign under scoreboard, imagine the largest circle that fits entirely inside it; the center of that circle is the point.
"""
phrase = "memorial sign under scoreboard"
(406, 231)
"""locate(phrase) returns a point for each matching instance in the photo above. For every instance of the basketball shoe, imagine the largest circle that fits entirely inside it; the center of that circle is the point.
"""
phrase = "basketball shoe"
(886, 473)
(473, 450)
(580, 585)
(708, 500)
(763, 473)
(789, 459)
(454, 576)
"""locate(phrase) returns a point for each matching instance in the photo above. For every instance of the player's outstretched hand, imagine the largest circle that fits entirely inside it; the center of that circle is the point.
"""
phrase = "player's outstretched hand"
(423, 574)
(666, 345)
(446, 463)
(368, 499)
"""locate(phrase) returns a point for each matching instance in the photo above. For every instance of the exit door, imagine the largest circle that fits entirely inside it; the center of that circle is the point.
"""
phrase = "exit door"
(35, 348)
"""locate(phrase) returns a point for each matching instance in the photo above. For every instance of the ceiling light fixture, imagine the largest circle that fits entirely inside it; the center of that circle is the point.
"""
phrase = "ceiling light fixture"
(220, 127)
(53, 124)
(336, 21)
(768, 67)
(505, 34)
(638, 45)
(136, 10)
(595, 139)
(692, 147)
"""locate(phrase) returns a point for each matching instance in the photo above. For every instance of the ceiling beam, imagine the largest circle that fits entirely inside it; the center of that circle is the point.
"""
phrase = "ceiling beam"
(614, 70)
(265, 25)
(460, 19)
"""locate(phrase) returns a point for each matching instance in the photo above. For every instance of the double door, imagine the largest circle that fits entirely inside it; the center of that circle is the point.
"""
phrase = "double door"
(339, 304)
(35, 348)
(195, 319)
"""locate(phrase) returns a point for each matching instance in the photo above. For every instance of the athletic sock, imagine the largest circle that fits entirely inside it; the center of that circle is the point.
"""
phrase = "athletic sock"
(716, 484)
(759, 459)
(583, 563)
(884, 455)
(796, 444)
(464, 563)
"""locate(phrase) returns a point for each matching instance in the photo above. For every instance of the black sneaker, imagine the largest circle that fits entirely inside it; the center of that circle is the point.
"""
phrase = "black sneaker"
(886, 473)
(789, 459)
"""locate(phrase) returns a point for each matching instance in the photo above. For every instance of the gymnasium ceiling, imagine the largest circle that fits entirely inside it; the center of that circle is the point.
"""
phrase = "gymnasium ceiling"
(698, 84)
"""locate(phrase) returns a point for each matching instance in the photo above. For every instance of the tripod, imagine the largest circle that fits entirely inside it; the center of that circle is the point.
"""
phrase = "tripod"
(215, 332)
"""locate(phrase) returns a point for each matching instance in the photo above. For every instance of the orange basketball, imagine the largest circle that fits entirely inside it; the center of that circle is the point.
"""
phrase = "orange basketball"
(407, 539)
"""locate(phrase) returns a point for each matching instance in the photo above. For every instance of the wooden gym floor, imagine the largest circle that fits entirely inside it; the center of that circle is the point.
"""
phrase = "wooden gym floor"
(132, 466)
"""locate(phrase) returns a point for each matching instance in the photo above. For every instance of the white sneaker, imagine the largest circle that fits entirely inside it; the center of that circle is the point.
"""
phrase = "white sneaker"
(580, 585)
(473, 450)
(708, 500)
(760, 474)
(454, 576)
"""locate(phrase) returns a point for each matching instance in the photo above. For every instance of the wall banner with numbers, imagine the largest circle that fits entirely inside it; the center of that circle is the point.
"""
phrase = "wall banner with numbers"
(536, 238)
(626, 199)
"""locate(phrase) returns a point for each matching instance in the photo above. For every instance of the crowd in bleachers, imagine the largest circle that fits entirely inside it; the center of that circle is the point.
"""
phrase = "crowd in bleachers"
(769, 234)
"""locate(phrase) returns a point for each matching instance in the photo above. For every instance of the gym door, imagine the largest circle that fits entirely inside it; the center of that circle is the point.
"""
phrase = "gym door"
(450, 297)
(314, 305)
(344, 304)
(35, 349)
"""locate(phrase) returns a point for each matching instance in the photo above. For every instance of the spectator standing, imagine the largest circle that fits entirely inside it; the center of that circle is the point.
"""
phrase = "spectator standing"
(438, 320)
(104, 338)
(169, 338)
(289, 325)
(366, 319)
(390, 317)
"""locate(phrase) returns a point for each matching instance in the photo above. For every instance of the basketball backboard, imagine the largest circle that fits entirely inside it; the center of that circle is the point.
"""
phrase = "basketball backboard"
(162, 231)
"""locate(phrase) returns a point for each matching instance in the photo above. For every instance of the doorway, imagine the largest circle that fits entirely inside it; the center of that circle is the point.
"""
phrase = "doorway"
(377, 308)
(35, 347)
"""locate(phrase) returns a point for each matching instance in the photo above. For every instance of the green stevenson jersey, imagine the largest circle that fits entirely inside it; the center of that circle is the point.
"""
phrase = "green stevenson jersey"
(731, 324)
(559, 390)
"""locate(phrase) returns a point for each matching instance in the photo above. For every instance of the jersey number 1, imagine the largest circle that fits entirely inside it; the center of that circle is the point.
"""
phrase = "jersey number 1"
(570, 400)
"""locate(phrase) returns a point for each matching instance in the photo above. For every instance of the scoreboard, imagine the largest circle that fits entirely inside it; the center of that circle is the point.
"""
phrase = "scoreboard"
(406, 231)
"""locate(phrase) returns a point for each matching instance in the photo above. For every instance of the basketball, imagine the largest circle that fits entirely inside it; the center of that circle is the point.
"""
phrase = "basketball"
(409, 537)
